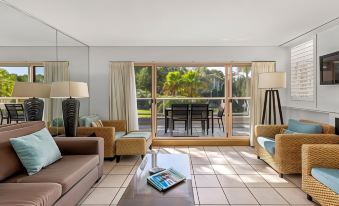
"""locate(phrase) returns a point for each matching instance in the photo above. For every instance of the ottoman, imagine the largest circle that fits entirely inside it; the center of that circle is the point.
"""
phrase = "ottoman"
(133, 143)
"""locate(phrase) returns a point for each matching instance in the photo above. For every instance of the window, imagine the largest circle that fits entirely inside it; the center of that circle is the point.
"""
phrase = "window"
(302, 71)
(11, 73)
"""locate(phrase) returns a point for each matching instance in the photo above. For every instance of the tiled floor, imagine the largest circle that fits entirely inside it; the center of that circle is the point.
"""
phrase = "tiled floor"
(221, 176)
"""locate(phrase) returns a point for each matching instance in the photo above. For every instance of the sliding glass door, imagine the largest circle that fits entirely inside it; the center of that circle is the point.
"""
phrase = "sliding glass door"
(223, 90)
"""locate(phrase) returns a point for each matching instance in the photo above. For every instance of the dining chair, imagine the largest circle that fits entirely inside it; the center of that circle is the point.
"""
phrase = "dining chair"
(199, 112)
(179, 113)
(3, 116)
(220, 117)
(15, 112)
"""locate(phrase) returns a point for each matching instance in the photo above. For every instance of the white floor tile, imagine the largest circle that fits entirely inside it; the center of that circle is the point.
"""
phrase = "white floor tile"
(254, 181)
(121, 170)
(218, 160)
(200, 160)
(195, 195)
(276, 181)
(239, 196)
(113, 181)
(101, 196)
(230, 181)
(267, 196)
(264, 169)
(118, 196)
(203, 169)
(236, 160)
(127, 181)
(211, 196)
(206, 181)
(223, 169)
(244, 170)
(293, 195)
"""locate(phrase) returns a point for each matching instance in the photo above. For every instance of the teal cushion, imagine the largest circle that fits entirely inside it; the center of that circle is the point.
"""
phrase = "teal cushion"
(327, 176)
(58, 122)
(302, 127)
(145, 135)
(86, 121)
(119, 134)
(36, 150)
(267, 143)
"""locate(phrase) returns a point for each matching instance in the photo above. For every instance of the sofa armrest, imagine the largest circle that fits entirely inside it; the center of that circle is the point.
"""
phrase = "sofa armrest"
(119, 125)
(268, 130)
(288, 146)
(80, 145)
(319, 155)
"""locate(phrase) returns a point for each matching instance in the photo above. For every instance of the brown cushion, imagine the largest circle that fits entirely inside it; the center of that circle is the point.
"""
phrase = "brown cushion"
(8, 156)
(67, 171)
(29, 194)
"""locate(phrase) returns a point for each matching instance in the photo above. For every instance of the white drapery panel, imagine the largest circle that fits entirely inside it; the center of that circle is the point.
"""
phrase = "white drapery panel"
(257, 95)
(123, 98)
(55, 71)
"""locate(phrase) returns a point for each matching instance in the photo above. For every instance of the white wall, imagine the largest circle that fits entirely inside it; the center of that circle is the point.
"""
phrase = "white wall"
(326, 99)
(101, 56)
(77, 57)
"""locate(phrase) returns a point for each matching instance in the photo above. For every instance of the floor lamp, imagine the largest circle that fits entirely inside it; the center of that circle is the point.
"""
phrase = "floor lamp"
(33, 107)
(70, 106)
(272, 81)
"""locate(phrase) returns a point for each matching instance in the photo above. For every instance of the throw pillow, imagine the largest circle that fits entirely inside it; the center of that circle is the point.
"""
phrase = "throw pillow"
(302, 127)
(286, 131)
(36, 150)
(94, 124)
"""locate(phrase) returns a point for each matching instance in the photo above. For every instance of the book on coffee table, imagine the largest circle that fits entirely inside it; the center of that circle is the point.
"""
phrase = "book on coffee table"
(165, 179)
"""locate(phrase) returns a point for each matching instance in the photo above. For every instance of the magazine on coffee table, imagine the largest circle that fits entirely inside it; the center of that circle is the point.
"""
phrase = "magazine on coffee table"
(165, 179)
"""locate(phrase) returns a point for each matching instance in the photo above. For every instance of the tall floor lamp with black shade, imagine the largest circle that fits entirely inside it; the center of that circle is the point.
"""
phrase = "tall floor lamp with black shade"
(33, 106)
(71, 91)
(272, 81)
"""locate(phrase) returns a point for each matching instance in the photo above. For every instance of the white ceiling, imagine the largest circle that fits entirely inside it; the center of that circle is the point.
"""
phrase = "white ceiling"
(182, 22)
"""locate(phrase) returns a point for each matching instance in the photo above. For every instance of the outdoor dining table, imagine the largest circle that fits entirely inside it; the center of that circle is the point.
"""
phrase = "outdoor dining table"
(169, 109)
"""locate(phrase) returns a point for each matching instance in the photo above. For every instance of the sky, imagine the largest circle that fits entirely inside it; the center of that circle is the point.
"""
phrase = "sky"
(20, 70)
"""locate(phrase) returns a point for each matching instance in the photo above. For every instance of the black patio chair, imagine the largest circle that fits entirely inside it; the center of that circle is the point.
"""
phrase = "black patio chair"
(15, 112)
(3, 116)
(220, 117)
(179, 113)
(199, 112)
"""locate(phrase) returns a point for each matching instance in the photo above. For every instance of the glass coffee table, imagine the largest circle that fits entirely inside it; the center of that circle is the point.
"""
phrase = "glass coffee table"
(140, 193)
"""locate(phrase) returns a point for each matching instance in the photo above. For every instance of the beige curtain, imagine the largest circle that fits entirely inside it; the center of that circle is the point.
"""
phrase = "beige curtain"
(55, 71)
(123, 98)
(258, 95)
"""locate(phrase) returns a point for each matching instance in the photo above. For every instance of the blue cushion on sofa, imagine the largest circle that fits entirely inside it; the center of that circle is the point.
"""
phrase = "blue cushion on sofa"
(36, 150)
(145, 135)
(267, 143)
(86, 121)
(119, 135)
(302, 127)
(327, 176)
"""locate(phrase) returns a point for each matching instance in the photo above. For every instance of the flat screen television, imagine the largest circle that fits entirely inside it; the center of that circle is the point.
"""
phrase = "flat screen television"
(329, 68)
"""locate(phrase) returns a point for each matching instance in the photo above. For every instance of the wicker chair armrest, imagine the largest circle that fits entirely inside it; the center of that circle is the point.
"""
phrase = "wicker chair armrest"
(120, 125)
(288, 146)
(319, 155)
(268, 130)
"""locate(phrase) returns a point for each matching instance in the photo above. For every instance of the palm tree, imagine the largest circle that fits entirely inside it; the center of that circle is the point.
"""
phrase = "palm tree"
(173, 83)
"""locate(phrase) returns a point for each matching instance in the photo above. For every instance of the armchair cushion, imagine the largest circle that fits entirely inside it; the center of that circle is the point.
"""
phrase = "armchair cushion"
(145, 135)
(118, 135)
(328, 177)
(302, 127)
(267, 143)
(86, 121)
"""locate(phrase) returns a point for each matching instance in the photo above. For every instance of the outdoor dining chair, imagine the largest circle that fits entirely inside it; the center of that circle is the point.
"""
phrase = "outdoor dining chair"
(199, 112)
(179, 114)
(15, 112)
(3, 116)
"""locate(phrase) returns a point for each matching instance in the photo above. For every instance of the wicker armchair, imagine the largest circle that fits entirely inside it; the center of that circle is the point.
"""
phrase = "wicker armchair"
(287, 156)
(107, 132)
(321, 155)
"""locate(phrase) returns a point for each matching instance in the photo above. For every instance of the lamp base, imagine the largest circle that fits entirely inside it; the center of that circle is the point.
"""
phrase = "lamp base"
(34, 109)
(272, 95)
(70, 109)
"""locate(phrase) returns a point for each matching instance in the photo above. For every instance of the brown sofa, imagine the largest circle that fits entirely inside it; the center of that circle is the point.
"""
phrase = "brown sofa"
(111, 131)
(64, 182)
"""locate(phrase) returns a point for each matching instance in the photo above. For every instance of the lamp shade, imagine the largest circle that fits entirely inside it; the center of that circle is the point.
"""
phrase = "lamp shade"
(69, 89)
(29, 89)
(272, 80)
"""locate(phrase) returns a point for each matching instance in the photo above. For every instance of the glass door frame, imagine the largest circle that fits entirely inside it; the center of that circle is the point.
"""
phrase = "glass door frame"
(230, 98)
(228, 115)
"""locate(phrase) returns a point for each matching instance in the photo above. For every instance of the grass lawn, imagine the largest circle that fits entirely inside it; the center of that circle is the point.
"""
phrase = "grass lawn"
(144, 113)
